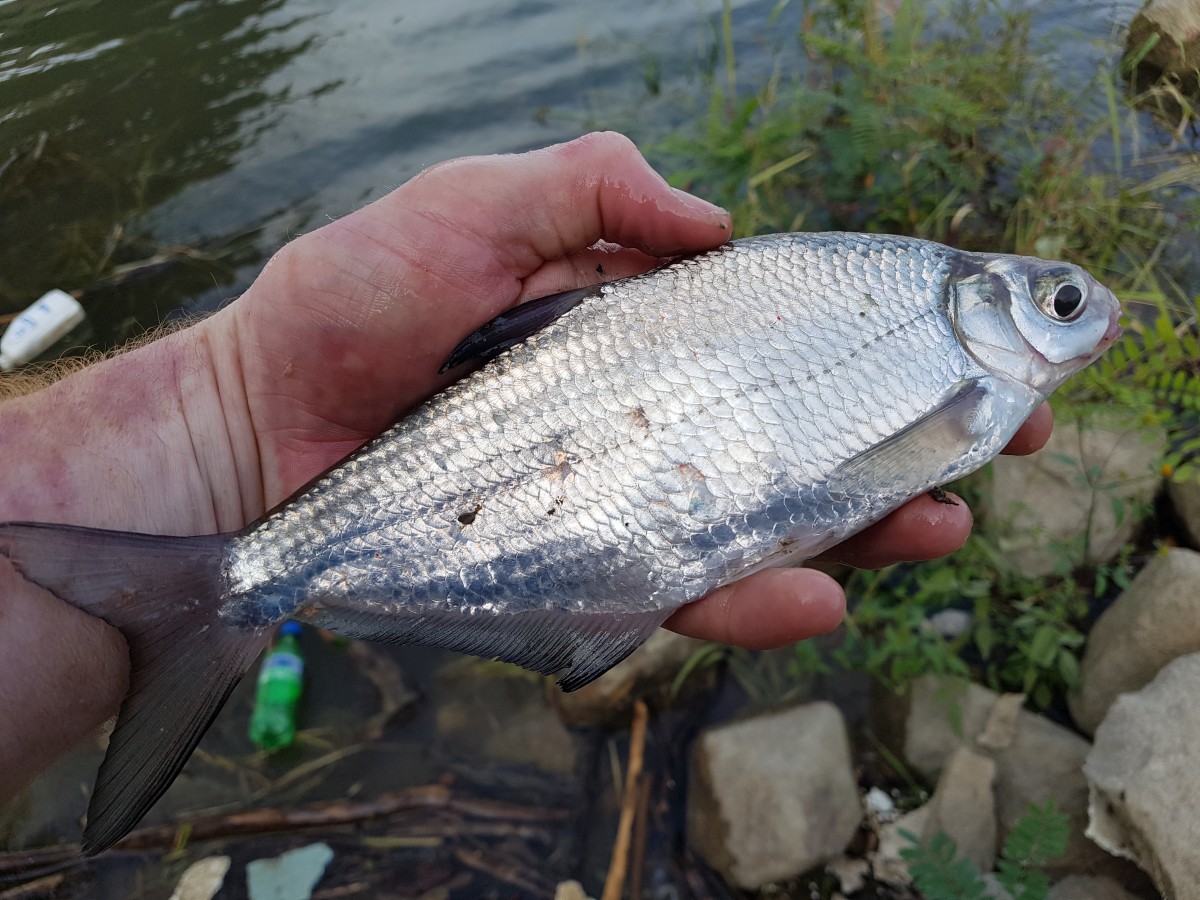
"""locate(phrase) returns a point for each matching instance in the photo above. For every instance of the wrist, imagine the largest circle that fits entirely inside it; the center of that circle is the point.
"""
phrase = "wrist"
(136, 442)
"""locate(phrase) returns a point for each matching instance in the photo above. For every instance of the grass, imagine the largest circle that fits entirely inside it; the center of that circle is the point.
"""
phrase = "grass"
(953, 128)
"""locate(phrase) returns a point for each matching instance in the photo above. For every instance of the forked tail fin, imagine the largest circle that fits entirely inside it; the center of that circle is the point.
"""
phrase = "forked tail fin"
(163, 594)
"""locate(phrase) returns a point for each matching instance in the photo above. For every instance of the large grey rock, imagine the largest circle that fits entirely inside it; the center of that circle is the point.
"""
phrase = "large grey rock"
(1156, 620)
(964, 807)
(609, 699)
(773, 796)
(1176, 24)
(1185, 497)
(1089, 887)
(1038, 507)
(1145, 794)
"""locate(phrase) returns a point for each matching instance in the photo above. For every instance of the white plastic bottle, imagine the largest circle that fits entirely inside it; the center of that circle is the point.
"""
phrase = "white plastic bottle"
(35, 329)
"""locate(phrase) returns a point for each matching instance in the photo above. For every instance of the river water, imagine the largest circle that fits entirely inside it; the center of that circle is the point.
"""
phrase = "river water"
(232, 126)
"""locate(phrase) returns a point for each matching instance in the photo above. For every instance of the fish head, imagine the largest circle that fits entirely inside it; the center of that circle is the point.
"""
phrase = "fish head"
(1033, 320)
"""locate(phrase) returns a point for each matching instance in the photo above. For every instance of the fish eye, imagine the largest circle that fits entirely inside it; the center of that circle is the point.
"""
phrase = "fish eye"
(1059, 296)
(1067, 299)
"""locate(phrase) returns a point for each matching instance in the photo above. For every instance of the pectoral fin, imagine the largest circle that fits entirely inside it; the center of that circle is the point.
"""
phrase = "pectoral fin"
(926, 453)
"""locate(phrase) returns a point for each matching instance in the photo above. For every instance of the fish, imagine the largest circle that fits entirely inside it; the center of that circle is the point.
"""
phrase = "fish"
(613, 453)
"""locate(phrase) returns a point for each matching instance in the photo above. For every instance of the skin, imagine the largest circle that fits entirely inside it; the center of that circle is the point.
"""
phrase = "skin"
(207, 428)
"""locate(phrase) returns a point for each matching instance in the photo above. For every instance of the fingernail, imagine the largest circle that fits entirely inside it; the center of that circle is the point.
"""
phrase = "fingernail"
(699, 206)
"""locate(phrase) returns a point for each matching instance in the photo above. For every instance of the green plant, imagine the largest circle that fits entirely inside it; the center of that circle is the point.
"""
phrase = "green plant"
(1025, 633)
(1039, 838)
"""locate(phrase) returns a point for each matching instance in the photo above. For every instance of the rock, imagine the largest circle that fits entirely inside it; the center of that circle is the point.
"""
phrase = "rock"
(1045, 762)
(1089, 887)
(942, 714)
(1185, 497)
(1036, 760)
(570, 890)
(850, 871)
(1176, 24)
(773, 796)
(1156, 620)
(964, 808)
(1038, 507)
(202, 879)
(609, 699)
(289, 876)
(1145, 796)
(1001, 728)
(887, 864)
(880, 806)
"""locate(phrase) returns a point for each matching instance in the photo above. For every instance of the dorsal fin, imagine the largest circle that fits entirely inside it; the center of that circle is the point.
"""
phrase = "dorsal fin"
(515, 325)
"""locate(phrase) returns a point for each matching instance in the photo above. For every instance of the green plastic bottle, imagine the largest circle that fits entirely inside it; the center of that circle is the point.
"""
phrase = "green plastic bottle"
(280, 680)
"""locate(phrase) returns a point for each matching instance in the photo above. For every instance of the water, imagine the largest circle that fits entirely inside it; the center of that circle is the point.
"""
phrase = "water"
(246, 122)
(230, 127)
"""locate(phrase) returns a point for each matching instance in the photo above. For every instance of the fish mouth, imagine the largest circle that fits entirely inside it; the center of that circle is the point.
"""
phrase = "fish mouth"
(1114, 331)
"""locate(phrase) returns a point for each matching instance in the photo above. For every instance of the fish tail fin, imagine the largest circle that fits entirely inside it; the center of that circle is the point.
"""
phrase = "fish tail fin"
(164, 595)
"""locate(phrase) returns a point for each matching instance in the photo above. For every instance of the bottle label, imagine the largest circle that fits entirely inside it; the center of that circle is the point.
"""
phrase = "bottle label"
(281, 665)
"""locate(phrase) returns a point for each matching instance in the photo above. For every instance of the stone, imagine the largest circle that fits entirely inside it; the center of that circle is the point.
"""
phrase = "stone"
(570, 890)
(1001, 728)
(1036, 760)
(1145, 797)
(773, 796)
(850, 871)
(202, 879)
(963, 806)
(1156, 620)
(1185, 497)
(1089, 887)
(1176, 24)
(887, 864)
(943, 714)
(1037, 508)
(880, 806)
(289, 876)
(608, 700)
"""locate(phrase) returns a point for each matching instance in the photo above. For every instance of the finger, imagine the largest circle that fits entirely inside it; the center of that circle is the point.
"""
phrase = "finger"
(587, 267)
(548, 203)
(923, 528)
(1032, 436)
(768, 609)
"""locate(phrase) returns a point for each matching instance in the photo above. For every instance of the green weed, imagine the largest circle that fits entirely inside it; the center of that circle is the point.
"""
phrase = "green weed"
(1039, 838)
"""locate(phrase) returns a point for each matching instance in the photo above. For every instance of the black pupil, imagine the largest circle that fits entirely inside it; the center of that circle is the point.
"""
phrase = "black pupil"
(1066, 300)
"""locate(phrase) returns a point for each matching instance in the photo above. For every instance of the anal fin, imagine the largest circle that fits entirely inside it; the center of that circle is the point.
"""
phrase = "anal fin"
(579, 647)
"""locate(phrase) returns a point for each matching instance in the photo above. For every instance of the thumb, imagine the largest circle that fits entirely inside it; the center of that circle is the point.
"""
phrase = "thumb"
(546, 204)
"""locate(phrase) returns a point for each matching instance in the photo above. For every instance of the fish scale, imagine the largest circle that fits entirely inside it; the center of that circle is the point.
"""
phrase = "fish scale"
(623, 450)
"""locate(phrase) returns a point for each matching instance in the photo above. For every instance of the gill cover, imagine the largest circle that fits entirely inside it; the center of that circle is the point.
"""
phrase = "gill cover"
(1031, 320)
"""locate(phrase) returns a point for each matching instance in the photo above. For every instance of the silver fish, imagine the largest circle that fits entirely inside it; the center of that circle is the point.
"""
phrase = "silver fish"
(628, 448)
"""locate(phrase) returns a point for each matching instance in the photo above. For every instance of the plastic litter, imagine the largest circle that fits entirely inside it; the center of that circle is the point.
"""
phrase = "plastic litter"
(33, 331)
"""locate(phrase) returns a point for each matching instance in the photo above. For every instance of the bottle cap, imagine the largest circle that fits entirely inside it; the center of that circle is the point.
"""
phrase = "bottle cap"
(290, 628)
(6, 364)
